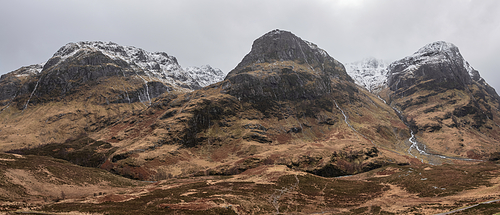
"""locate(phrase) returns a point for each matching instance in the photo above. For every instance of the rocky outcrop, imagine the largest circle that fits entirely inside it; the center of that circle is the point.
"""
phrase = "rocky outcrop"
(13, 83)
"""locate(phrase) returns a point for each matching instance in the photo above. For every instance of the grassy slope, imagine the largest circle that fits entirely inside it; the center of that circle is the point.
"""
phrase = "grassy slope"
(269, 189)
(31, 180)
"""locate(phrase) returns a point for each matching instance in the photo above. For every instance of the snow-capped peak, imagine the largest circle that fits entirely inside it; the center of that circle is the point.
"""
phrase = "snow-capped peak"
(434, 53)
(158, 66)
(129, 54)
(439, 46)
(369, 73)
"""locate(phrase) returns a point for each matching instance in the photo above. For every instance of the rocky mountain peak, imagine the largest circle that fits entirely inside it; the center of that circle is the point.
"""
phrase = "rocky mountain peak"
(280, 46)
(283, 67)
(438, 47)
(440, 62)
(157, 61)
(157, 66)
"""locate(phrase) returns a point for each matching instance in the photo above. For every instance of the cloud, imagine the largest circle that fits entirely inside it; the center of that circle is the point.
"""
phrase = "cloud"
(221, 32)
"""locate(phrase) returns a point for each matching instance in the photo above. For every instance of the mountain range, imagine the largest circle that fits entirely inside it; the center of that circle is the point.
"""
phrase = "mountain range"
(288, 116)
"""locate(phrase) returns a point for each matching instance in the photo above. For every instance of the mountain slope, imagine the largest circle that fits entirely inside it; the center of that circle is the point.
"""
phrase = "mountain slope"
(288, 102)
(86, 86)
(452, 110)
(263, 140)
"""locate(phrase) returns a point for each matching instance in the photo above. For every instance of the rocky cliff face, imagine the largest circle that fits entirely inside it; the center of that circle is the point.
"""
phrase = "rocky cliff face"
(283, 67)
(435, 66)
(282, 46)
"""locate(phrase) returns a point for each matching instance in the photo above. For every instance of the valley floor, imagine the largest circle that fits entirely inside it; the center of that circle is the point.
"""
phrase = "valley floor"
(52, 186)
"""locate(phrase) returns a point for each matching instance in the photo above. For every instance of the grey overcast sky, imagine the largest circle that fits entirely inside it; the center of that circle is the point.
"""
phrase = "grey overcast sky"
(221, 32)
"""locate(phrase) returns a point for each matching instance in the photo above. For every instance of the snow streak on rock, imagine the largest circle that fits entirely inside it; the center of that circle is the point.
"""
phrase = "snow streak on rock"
(29, 70)
(27, 102)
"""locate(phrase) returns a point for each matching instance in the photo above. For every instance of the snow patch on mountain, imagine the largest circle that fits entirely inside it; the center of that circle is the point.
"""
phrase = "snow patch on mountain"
(434, 53)
(205, 75)
(369, 73)
(29, 70)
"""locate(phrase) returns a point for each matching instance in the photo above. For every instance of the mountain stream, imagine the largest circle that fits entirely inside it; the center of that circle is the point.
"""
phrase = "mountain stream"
(350, 126)
(433, 159)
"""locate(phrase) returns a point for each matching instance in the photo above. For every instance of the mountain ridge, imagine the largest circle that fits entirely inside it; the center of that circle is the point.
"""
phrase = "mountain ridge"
(69, 68)
(286, 131)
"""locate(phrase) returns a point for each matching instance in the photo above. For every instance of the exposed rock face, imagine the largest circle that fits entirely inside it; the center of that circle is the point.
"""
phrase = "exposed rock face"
(435, 66)
(279, 45)
(282, 46)
(11, 84)
(281, 67)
